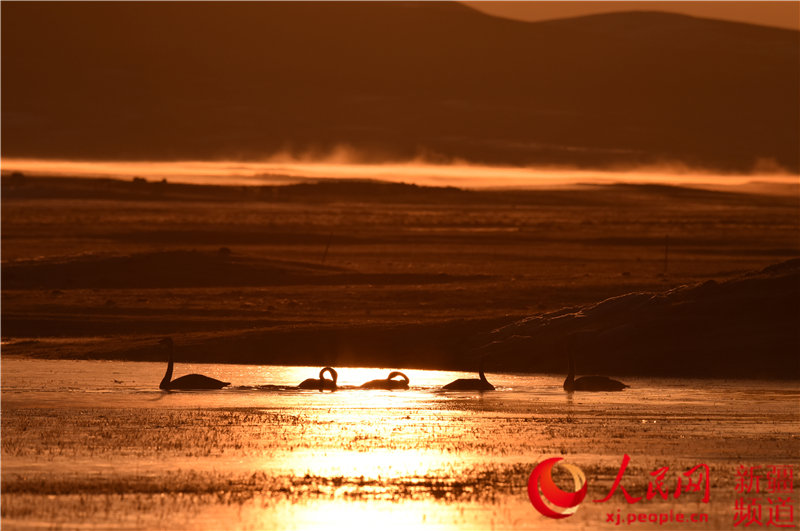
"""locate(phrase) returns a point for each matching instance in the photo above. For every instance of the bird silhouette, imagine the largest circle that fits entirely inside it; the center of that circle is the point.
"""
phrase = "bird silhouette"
(188, 382)
(389, 382)
(471, 384)
(321, 383)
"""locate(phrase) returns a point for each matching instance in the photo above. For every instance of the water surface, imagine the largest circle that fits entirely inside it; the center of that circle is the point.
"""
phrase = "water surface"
(96, 443)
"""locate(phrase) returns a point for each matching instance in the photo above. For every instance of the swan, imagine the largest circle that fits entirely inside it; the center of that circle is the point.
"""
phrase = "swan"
(321, 383)
(190, 381)
(590, 383)
(388, 383)
(470, 384)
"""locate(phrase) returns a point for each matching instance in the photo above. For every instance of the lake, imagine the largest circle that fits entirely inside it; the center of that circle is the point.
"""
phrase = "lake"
(96, 443)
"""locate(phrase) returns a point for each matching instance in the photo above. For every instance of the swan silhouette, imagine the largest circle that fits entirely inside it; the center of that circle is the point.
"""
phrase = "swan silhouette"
(321, 384)
(389, 382)
(590, 383)
(190, 381)
(470, 384)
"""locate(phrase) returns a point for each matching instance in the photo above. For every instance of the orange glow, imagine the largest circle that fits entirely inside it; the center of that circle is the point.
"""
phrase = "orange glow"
(282, 170)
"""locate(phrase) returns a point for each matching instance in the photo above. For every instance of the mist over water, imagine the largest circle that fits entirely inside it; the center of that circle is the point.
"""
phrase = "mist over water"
(288, 170)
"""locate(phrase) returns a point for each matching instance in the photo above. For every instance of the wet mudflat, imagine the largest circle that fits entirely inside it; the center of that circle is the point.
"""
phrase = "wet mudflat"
(95, 444)
(361, 274)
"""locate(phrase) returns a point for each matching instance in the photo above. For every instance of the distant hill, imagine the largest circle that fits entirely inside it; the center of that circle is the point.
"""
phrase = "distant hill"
(161, 80)
(742, 327)
(378, 192)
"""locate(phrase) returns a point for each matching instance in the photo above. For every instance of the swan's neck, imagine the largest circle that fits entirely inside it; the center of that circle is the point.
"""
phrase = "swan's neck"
(332, 372)
(398, 374)
(168, 376)
(570, 381)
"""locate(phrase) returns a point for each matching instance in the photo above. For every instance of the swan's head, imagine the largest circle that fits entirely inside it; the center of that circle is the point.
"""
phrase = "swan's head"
(330, 370)
(167, 342)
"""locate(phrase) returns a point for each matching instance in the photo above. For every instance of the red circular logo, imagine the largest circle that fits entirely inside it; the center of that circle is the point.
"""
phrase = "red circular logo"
(542, 489)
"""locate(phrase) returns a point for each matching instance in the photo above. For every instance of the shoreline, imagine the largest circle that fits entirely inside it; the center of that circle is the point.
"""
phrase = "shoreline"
(784, 378)
(435, 346)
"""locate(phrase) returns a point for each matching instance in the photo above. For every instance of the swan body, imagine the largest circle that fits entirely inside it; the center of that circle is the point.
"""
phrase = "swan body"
(188, 382)
(321, 383)
(389, 382)
(470, 384)
(590, 383)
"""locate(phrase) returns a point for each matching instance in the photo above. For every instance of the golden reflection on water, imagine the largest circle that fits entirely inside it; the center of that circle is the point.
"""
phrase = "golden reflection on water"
(80, 449)
(348, 377)
(373, 434)
(389, 516)
(377, 463)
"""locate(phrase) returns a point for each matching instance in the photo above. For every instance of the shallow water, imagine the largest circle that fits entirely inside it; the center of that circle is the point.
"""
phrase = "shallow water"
(96, 443)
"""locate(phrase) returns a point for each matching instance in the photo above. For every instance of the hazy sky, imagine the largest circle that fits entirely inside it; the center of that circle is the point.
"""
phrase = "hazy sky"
(779, 14)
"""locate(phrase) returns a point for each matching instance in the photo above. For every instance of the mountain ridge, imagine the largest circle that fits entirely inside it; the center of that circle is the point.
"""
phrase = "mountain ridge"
(245, 81)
